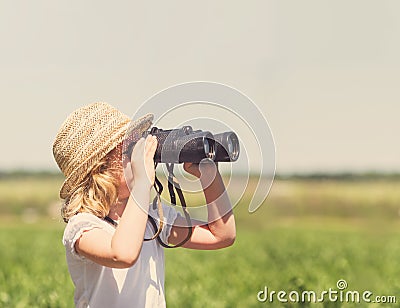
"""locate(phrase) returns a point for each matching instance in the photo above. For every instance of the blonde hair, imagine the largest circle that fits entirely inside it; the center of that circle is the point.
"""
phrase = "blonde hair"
(98, 191)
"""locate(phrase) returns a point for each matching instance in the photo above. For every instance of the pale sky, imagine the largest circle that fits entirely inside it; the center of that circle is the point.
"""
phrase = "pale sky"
(325, 74)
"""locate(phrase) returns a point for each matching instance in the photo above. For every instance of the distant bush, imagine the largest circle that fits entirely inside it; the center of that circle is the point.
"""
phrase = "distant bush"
(344, 176)
(18, 174)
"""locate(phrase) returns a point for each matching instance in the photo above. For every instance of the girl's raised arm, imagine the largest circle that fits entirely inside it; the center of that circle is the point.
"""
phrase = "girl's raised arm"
(122, 249)
(220, 231)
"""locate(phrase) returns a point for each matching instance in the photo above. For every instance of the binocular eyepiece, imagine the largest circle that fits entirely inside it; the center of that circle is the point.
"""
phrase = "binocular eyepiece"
(188, 145)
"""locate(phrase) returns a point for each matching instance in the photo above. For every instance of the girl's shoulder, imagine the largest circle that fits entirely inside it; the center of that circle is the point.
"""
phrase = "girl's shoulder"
(80, 223)
(84, 217)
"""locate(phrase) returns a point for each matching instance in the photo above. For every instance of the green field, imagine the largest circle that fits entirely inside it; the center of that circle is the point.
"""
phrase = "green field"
(308, 235)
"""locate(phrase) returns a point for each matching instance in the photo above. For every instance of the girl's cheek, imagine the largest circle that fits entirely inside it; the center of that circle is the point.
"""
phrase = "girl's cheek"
(127, 178)
(127, 174)
(124, 191)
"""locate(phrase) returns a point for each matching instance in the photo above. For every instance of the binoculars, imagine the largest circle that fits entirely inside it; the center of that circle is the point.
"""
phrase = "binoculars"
(188, 145)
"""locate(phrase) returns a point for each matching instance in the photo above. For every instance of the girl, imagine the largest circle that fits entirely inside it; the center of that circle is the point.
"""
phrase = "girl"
(107, 212)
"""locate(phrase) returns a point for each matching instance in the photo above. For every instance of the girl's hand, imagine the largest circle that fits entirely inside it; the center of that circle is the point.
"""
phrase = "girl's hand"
(192, 168)
(205, 171)
(142, 164)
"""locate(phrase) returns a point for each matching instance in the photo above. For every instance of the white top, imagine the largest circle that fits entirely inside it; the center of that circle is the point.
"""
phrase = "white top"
(141, 285)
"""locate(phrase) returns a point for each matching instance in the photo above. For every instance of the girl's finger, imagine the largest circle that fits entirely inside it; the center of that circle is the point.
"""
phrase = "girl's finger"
(150, 152)
(154, 143)
(138, 148)
(150, 142)
(139, 144)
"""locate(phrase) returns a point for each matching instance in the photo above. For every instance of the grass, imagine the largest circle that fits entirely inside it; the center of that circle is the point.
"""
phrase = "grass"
(307, 236)
(282, 259)
(33, 270)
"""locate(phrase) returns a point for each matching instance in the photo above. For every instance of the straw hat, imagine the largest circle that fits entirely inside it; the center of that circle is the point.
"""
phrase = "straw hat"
(87, 135)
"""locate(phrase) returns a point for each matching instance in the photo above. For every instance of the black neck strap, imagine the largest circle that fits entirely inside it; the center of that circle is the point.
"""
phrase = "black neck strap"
(111, 221)
(173, 184)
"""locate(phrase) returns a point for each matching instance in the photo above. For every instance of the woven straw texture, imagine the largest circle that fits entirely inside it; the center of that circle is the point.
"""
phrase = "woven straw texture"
(87, 135)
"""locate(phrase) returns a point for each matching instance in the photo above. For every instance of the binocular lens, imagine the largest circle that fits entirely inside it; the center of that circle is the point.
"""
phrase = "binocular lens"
(227, 147)
(209, 148)
(233, 147)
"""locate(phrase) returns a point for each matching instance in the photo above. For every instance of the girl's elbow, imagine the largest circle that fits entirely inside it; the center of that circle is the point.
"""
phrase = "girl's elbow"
(125, 260)
(228, 240)
(230, 232)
